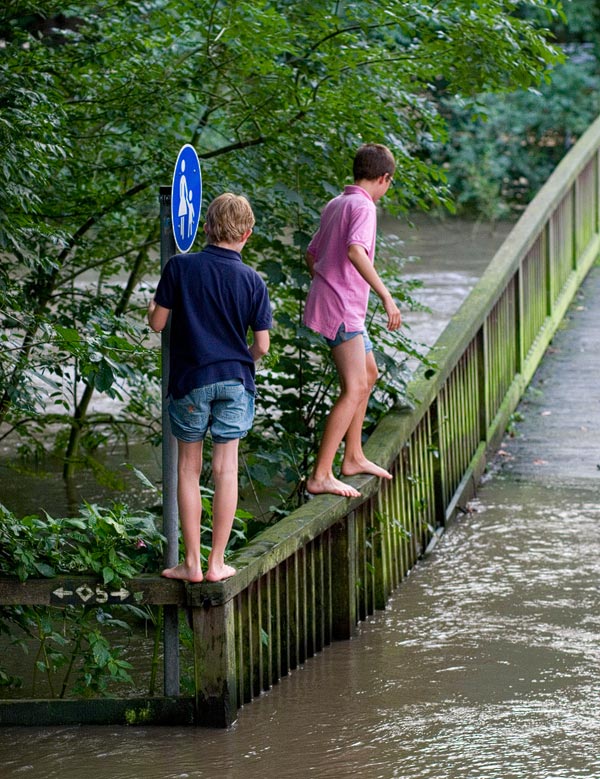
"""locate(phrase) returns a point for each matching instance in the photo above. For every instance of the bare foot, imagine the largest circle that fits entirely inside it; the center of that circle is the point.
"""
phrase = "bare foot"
(219, 572)
(331, 485)
(354, 467)
(183, 572)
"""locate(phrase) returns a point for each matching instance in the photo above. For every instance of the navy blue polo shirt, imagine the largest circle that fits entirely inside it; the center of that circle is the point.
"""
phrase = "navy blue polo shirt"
(214, 299)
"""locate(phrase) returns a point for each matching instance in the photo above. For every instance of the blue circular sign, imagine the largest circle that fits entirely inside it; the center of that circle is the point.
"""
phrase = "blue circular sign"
(186, 197)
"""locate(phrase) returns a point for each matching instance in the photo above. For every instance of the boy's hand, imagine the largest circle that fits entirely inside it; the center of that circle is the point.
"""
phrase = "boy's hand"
(393, 314)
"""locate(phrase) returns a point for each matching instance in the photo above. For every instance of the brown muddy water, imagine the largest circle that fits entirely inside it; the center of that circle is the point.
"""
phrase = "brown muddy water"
(449, 257)
(485, 665)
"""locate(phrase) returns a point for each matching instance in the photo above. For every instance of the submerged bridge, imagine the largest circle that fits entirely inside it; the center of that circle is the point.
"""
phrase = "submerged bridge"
(310, 579)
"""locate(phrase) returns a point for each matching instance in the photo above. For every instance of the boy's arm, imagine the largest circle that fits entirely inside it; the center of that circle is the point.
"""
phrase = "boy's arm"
(360, 259)
(310, 263)
(157, 316)
(260, 345)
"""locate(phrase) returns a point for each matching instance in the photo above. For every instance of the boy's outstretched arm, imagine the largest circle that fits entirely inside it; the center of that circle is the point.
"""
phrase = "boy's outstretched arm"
(310, 263)
(360, 259)
(157, 316)
(260, 345)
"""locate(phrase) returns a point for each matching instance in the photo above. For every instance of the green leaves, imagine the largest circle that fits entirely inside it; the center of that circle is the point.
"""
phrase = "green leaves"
(275, 96)
(111, 544)
(107, 542)
(503, 148)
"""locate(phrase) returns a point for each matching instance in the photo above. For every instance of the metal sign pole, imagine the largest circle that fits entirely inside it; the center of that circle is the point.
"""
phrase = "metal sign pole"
(169, 469)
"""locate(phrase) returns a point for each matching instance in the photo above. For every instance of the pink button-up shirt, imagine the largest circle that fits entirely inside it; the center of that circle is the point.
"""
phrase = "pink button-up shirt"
(338, 293)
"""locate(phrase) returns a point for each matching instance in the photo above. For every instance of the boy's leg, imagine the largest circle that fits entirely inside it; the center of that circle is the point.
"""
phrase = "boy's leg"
(349, 358)
(189, 468)
(354, 461)
(225, 476)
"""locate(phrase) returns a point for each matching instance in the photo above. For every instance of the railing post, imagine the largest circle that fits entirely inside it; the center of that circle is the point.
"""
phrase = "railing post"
(214, 664)
(285, 664)
(436, 463)
(597, 193)
(380, 523)
(520, 315)
(574, 225)
(169, 469)
(482, 381)
(343, 566)
(549, 251)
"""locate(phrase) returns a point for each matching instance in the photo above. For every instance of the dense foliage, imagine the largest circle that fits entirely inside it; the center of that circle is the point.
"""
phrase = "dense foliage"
(77, 650)
(95, 101)
(502, 148)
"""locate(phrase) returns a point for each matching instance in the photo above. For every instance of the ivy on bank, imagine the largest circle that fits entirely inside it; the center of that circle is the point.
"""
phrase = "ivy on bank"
(81, 650)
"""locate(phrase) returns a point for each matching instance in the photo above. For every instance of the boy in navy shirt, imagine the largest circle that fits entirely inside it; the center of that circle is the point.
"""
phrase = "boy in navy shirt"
(213, 299)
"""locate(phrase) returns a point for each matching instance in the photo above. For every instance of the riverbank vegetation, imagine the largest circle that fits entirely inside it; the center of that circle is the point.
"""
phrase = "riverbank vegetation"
(275, 96)
(501, 148)
(68, 652)
(96, 100)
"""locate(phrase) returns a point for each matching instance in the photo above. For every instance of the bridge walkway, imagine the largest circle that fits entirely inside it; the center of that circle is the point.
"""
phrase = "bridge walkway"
(557, 440)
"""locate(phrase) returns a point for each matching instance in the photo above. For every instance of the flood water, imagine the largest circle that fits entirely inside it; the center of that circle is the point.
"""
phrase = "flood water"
(485, 665)
(451, 256)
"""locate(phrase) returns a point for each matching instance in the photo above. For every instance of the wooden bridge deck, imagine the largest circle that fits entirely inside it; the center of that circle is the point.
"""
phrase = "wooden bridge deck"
(557, 440)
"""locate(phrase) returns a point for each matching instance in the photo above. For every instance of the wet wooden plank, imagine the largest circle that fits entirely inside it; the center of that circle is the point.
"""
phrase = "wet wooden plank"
(101, 711)
(215, 664)
(90, 591)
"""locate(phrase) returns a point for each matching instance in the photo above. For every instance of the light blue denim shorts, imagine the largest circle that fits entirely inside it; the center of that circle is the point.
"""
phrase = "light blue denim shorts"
(226, 407)
(342, 336)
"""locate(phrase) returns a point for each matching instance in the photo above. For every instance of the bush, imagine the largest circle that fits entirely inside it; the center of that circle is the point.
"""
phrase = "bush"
(79, 649)
(502, 148)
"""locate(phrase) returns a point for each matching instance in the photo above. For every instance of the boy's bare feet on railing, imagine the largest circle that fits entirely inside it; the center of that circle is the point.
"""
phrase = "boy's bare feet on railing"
(219, 572)
(331, 485)
(183, 572)
(354, 467)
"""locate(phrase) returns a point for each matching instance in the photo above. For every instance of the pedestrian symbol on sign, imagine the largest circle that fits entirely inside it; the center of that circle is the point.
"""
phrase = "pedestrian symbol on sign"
(186, 197)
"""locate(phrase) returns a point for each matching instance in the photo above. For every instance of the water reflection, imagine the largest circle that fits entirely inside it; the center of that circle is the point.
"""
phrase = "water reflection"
(450, 256)
(484, 666)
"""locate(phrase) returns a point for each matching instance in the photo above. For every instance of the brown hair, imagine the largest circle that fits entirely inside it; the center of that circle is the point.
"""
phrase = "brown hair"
(228, 217)
(373, 160)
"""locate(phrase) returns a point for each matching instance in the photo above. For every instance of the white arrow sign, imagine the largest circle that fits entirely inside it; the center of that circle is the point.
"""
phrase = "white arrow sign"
(121, 594)
(62, 593)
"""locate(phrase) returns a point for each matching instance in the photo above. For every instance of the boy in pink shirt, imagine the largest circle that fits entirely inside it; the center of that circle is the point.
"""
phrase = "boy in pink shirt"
(340, 261)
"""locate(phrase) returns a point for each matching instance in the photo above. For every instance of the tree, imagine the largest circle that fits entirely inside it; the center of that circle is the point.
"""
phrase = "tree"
(275, 95)
(502, 147)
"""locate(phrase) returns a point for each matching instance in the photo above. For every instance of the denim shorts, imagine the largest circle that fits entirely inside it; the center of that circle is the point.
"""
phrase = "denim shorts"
(226, 407)
(342, 336)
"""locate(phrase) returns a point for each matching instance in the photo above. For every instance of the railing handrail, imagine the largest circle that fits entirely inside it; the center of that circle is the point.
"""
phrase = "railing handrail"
(270, 546)
(308, 580)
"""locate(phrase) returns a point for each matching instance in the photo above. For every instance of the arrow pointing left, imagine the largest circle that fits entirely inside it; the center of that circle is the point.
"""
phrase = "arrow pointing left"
(62, 593)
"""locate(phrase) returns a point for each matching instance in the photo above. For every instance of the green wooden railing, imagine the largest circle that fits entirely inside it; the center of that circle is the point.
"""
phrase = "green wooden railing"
(309, 580)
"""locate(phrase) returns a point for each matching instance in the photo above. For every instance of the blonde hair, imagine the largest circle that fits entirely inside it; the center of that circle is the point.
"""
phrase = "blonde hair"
(228, 217)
